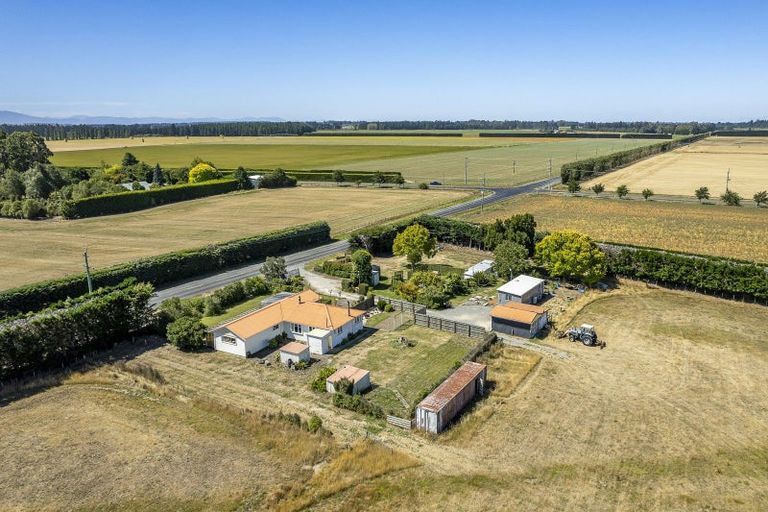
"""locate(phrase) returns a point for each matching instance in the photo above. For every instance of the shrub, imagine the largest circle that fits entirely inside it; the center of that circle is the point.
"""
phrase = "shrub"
(423, 186)
(381, 304)
(277, 179)
(186, 333)
(314, 424)
(301, 365)
(32, 208)
(389, 308)
(318, 384)
(358, 404)
(731, 198)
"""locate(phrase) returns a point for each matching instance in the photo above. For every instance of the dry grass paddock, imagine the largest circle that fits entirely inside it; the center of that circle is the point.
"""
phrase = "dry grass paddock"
(702, 164)
(669, 416)
(700, 229)
(36, 250)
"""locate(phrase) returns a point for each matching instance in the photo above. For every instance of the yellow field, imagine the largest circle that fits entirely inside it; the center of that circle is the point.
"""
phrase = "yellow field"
(36, 250)
(700, 229)
(703, 164)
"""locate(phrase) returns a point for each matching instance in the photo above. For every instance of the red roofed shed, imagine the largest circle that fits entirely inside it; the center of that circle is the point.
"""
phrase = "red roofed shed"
(437, 410)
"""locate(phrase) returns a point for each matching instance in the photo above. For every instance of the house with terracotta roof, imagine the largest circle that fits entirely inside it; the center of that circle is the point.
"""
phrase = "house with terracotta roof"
(360, 379)
(300, 317)
(435, 412)
(519, 319)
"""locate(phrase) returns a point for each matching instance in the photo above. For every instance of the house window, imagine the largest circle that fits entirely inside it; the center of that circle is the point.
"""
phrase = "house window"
(296, 328)
(229, 340)
(275, 327)
(338, 331)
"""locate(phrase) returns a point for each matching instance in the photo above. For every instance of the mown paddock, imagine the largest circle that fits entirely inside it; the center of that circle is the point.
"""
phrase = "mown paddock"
(700, 229)
(37, 250)
(512, 161)
(702, 164)
(291, 156)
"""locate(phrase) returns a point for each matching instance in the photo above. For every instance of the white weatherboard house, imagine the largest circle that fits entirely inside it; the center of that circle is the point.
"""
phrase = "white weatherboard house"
(483, 266)
(525, 289)
(301, 317)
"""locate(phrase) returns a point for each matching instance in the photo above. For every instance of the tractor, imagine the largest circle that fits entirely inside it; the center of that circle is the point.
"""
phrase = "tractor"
(585, 334)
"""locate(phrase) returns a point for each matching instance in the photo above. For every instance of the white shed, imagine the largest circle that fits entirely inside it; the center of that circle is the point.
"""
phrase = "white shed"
(525, 289)
(360, 379)
(483, 266)
(294, 352)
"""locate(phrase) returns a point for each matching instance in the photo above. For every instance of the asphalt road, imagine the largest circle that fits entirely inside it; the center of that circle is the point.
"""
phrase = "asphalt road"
(297, 260)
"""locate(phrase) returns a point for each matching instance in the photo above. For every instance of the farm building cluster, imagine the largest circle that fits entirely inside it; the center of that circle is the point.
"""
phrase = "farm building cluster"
(300, 327)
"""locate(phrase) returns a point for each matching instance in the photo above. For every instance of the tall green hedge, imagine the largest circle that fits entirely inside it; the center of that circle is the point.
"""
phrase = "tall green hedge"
(166, 268)
(57, 336)
(131, 201)
(715, 276)
(584, 169)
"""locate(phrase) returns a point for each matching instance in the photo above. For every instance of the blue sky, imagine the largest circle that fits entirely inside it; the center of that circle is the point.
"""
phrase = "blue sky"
(387, 60)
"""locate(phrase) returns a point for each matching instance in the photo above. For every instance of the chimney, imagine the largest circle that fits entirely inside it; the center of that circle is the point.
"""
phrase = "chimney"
(299, 298)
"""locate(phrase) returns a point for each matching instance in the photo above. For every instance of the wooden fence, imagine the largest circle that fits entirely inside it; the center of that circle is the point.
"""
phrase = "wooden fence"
(403, 305)
(445, 325)
(401, 422)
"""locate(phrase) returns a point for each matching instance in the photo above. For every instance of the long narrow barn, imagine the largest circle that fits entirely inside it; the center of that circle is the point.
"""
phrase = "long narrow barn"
(437, 410)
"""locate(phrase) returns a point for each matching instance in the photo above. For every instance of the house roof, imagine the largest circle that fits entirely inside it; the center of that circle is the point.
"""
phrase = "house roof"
(517, 312)
(452, 386)
(301, 308)
(520, 285)
(294, 348)
(348, 372)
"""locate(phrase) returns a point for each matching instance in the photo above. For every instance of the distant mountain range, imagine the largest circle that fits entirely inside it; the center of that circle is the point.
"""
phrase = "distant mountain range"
(8, 117)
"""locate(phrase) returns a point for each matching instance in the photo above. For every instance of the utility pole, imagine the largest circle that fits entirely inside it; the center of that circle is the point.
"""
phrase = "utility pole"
(549, 169)
(466, 169)
(727, 179)
(87, 270)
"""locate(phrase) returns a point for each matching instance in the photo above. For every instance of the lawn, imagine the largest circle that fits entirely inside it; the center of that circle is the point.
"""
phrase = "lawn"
(267, 156)
(412, 369)
(210, 321)
(36, 250)
(700, 229)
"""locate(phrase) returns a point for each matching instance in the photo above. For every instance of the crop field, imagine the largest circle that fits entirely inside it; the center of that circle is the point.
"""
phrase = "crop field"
(587, 431)
(510, 162)
(699, 229)
(504, 161)
(702, 164)
(36, 250)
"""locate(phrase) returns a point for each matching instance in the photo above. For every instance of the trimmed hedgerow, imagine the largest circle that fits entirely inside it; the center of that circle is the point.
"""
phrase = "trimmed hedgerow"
(59, 335)
(166, 268)
(122, 202)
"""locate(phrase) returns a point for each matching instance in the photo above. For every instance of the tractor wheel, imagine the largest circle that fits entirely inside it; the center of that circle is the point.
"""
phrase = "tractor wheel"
(587, 341)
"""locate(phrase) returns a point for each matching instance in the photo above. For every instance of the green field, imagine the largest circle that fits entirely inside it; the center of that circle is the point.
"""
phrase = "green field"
(511, 162)
(503, 161)
(288, 156)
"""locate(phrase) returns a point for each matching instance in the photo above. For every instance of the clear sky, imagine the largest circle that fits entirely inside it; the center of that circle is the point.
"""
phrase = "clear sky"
(387, 60)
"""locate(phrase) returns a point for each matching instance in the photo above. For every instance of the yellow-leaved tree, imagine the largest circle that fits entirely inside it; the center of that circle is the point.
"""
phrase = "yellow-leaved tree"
(203, 172)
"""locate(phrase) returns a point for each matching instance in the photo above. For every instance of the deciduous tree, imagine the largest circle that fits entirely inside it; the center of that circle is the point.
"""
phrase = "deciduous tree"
(571, 255)
(760, 198)
(203, 172)
(731, 198)
(647, 193)
(361, 266)
(622, 190)
(702, 194)
(186, 333)
(510, 259)
(128, 160)
(274, 268)
(414, 243)
(598, 188)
